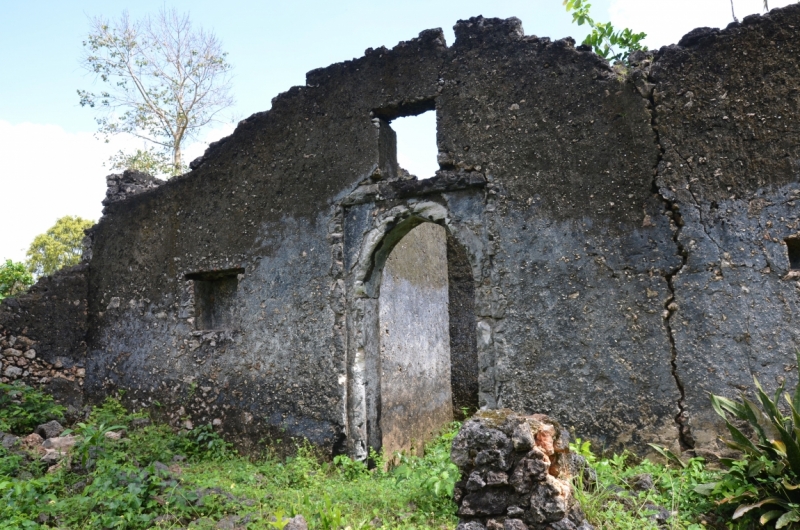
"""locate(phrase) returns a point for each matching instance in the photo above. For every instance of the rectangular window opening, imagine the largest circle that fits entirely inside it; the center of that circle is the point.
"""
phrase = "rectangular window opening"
(417, 151)
(214, 298)
(793, 247)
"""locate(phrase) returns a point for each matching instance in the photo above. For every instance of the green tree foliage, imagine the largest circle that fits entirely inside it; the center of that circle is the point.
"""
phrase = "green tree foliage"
(14, 279)
(148, 160)
(163, 80)
(609, 43)
(61, 246)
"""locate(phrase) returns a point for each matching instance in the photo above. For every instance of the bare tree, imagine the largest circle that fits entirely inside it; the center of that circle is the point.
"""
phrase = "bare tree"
(163, 81)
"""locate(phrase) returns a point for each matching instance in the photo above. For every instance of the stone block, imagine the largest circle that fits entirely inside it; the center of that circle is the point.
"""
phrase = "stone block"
(51, 429)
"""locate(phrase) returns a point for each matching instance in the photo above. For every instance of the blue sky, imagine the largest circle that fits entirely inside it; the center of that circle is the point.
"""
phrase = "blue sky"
(50, 164)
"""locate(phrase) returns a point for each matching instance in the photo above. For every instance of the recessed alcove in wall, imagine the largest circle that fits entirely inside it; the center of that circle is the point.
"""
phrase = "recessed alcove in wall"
(793, 248)
(214, 297)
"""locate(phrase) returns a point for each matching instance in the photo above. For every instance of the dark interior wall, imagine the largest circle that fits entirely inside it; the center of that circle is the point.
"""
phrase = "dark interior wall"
(463, 338)
(263, 200)
(727, 108)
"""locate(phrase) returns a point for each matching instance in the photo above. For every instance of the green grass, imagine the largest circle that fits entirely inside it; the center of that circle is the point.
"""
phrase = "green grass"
(118, 484)
(123, 484)
(615, 502)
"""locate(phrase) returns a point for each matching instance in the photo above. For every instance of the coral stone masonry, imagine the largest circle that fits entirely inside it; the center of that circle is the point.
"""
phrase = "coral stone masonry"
(612, 244)
(516, 473)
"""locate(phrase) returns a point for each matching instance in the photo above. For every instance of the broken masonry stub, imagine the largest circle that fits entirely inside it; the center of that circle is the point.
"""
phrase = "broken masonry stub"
(696, 35)
(516, 472)
(476, 30)
(128, 184)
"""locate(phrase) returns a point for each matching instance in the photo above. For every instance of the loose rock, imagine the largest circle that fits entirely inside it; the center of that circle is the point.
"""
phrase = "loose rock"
(298, 522)
(51, 429)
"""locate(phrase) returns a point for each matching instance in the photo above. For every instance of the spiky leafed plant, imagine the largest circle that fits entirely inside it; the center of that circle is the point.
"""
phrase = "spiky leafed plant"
(765, 480)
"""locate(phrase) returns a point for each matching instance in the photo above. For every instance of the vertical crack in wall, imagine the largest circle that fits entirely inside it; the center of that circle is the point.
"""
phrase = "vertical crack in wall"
(646, 88)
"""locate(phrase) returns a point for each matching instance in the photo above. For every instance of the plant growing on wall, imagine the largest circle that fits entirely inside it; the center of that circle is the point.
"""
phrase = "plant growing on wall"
(163, 81)
(605, 40)
(61, 246)
(14, 279)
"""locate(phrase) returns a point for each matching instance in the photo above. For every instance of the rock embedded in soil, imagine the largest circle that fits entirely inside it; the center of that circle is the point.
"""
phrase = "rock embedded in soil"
(51, 429)
(516, 472)
(297, 522)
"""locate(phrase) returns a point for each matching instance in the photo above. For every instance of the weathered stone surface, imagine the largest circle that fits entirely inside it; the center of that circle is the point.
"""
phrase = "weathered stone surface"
(298, 522)
(32, 441)
(12, 371)
(9, 440)
(52, 317)
(53, 456)
(60, 442)
(140, 423)
(537, 495)
(51, 429)
(736, 311)
(114, 435)
(129, 183)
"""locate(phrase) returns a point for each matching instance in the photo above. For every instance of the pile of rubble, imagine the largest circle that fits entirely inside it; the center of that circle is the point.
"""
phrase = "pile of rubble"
(516, 472)
(48, 443)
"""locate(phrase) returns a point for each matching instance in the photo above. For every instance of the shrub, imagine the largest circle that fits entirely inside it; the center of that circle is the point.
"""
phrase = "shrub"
(22, 408)
(203, 441)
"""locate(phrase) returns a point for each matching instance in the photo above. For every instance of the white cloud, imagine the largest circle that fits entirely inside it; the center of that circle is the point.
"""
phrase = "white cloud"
(666, 22)
(47, 173)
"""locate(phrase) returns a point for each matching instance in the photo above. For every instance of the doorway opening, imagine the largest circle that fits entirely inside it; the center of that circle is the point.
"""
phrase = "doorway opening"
(425, 368)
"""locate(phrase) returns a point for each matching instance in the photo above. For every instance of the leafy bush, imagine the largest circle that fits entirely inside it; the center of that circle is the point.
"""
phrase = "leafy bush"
(617, 500)
(435, 472)
(14, 279)
(350, 469)
(93, 441)
(204, 442)
(22, 408)
(764, 483)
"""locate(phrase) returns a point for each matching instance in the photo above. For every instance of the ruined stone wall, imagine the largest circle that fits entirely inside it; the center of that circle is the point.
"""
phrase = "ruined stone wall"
(573, 288)
(265, 202)
(42, 335)
(623, 232)
(727, 115)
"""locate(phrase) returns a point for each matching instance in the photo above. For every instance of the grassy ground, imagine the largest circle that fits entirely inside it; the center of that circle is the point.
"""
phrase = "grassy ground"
(155, 477)
(634, 494)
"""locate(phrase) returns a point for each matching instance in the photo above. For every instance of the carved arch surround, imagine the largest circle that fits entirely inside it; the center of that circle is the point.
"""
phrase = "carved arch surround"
(362, 291)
